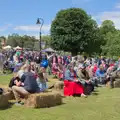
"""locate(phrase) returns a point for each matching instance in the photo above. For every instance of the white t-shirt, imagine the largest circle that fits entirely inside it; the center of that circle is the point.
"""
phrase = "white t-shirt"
(20, 73)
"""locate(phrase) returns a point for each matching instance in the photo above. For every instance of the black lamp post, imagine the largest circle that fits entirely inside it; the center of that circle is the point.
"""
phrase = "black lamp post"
(22, 44)
(40, 22)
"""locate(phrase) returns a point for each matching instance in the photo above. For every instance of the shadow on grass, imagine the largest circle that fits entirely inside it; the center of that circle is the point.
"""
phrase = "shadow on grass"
(8, 107)
(95, 93)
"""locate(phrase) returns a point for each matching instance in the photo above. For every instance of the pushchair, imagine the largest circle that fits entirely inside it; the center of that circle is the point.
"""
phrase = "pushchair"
(8, 67)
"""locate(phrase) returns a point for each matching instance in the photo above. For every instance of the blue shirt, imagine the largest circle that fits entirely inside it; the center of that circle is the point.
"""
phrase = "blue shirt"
(69, 76)
(100, 73)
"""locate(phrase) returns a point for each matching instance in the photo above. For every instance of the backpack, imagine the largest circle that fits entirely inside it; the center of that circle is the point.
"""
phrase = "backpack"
(44, 63)
(1, 91)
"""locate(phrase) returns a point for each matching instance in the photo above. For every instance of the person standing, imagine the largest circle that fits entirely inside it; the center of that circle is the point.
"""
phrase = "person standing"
(1, 62)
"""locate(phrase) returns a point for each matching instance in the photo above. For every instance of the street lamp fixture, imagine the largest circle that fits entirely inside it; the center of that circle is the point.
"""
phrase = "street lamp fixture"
(40, 22)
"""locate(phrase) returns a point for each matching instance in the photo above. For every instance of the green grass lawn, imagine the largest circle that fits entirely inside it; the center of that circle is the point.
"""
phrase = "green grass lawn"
(104, 105)
(4, 79)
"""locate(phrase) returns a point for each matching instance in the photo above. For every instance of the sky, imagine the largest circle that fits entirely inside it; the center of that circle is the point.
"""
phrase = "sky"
(20, 16)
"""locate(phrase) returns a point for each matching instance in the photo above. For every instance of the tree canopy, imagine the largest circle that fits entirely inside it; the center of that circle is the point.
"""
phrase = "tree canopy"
(112, 46)
(107, 26)
(29, 42)
(22, 41)
(74, 31)
(46, 39)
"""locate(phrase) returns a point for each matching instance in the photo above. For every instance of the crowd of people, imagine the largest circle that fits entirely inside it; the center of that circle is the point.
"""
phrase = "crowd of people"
(79, 74)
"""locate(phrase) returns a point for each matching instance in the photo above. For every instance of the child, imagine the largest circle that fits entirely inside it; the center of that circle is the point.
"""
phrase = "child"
(41, 82)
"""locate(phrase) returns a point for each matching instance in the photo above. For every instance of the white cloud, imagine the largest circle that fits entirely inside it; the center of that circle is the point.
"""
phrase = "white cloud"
(113, 15)
(33, 28)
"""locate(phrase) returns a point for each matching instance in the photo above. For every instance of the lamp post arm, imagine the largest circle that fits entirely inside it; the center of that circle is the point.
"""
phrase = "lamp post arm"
(42, 22)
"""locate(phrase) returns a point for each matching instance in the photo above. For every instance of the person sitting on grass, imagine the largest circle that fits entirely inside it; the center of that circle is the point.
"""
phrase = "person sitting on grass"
(72, 84)
(100, 74)
(85, 80)
(41, 82)
(42, 79)
(26, 86)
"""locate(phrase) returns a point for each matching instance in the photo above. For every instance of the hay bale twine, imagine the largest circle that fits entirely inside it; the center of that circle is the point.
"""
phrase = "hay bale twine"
(59, 85)
(117, 83)
(43, 100)
(3, 101)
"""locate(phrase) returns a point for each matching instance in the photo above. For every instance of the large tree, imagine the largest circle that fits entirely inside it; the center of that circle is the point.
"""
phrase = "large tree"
(46, 39)
(28, 42)
(74, 31)
(112, 46)
(107, 26)
(14, 40)
(108, 33)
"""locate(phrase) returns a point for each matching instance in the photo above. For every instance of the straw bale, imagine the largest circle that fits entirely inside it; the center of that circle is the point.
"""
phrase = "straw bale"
(9, 95)
(116, 74)
(42, 100)
(117, 83)
(3, 101)
(59, 85)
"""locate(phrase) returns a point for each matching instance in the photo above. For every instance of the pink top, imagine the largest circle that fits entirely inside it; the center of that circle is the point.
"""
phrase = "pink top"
(54, 60)
(59, 60)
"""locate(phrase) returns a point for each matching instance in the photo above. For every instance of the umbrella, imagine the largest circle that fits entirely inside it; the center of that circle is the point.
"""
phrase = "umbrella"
(48, 50)
(7, 47)
(18, 48)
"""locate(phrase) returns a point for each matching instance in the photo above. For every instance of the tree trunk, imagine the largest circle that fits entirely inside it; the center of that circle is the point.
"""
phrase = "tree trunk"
(74, 53)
